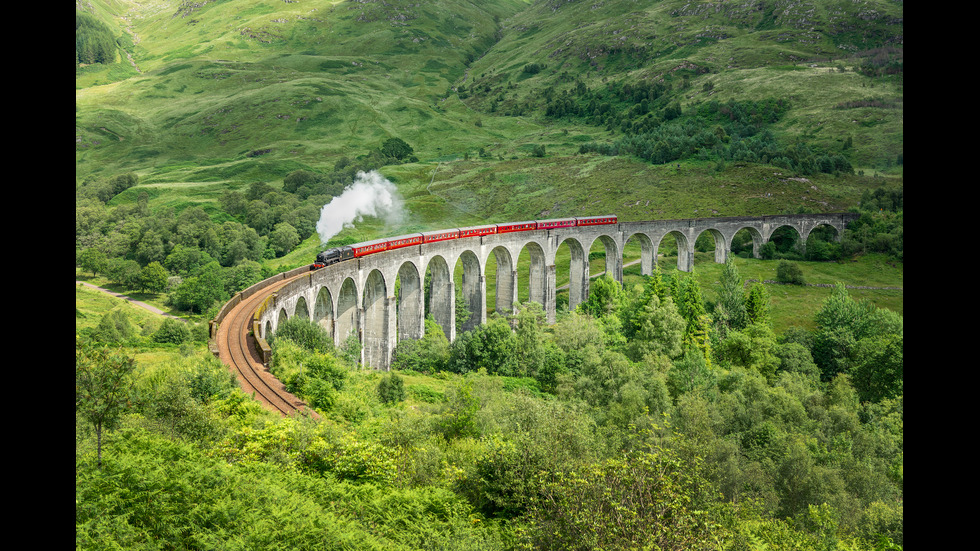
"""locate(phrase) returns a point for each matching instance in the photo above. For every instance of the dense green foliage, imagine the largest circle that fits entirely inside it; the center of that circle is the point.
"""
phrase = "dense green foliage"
(591, 439)
(734, 131)
(94, 42)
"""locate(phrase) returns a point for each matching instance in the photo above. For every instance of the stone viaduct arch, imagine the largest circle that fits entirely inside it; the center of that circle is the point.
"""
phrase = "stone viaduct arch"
(360, 297)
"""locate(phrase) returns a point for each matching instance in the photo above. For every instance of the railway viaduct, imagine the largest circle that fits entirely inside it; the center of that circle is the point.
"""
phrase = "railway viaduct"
(361, 297)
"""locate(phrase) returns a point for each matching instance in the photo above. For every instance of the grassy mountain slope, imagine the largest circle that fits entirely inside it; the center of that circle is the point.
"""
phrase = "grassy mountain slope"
(809, 53)
(228, 92)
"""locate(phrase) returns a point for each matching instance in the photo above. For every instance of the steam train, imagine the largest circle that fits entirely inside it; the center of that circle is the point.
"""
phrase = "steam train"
(339, 254)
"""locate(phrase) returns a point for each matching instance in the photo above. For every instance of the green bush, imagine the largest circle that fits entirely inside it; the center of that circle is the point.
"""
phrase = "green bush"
(172, 331)
(306, 333)
(115, 327)
(789, 272)
(391, 389)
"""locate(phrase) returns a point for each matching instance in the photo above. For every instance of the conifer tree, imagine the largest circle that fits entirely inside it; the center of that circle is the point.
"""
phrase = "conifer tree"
(698, 331)
(731, 302)
(758, 306)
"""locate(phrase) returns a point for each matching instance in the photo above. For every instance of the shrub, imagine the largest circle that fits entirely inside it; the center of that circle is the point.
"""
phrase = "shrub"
(391, 389)
(173, 332)
(114, 327)
(306, 333)
(789, 272)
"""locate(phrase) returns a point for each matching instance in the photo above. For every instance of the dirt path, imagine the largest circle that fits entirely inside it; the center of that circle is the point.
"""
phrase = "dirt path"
(153, 309)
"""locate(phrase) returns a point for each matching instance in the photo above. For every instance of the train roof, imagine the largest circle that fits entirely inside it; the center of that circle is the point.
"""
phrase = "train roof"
(439, 232)
(372, 242)
(406, 236)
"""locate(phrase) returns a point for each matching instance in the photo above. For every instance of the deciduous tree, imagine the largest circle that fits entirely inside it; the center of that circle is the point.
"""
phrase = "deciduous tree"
(153, 277)
(396, 148)
(104, 387)
(93, 260)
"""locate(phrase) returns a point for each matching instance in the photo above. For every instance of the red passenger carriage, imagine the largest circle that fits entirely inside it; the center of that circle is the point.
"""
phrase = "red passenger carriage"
(517, 226)
(477, 231)
(439, 235)
(556, 223)
(405, 241)
(369, 247)
(595, 220)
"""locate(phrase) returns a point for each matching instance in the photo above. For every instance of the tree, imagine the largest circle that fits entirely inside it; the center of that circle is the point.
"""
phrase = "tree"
(186, 260)
(153, 277)
(122, 182)
(796, 358)
(841, 323)
(93, 260)
(396, 148)
(304, 368)
(690, 374)
(757, 305)
(206, 289)
(458, 419)
(606, 296)
(308, 334)
(643, 500)
(461, 311)
(529, 340)
(94, 42)
(426, 355)
(752, 348)
(172, 331)
(104, 389)
(391, 389)
(283, 238)
(659, 329)
(242, 276)
(691, 305)
(731, 297)
(491, 346)
(879, 367)
(124, 272)
(114, 327)
(297, 179)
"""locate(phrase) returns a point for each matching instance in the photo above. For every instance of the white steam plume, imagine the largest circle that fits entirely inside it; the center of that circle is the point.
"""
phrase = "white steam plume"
(371, 194)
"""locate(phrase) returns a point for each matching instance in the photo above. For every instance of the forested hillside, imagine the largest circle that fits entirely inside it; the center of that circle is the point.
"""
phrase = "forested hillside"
(756, 404)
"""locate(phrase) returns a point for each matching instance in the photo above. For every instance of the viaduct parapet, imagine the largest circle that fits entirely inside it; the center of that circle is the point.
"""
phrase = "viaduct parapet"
(359, 297)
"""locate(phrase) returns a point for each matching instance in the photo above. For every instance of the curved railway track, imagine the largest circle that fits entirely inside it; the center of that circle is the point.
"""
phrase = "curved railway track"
(236, 349)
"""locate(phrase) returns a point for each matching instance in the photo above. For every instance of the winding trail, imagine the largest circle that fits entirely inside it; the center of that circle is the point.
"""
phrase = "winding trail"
(141, 304)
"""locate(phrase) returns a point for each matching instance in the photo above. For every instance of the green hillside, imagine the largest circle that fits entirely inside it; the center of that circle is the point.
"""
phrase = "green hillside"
(226, 93)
